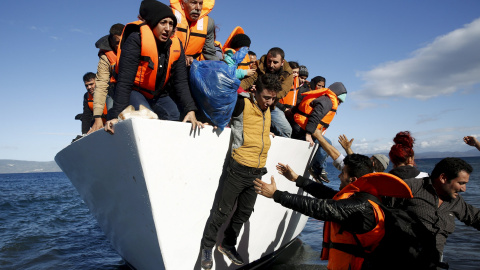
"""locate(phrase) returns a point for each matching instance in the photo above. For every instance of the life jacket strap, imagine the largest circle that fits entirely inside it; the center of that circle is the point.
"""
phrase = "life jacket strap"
(195, 56)
(147, 59)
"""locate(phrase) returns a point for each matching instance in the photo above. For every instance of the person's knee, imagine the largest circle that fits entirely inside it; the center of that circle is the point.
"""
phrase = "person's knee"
(219, 217)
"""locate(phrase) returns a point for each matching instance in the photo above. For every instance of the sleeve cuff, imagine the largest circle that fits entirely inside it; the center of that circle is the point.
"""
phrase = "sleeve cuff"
(277, 195)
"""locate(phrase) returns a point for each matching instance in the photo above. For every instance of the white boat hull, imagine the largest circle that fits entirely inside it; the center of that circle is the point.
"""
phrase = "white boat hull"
(151, 187)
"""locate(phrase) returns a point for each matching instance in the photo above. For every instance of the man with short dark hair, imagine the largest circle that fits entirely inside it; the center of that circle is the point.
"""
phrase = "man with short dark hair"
(107, 54)
(87, 116)
(250, 126)
(253, 59)
(350, 220)
(274, 63)
(437, 200)
(195, 29)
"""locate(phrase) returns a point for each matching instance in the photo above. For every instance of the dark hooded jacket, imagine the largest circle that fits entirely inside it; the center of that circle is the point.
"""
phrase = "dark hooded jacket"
(321, 106)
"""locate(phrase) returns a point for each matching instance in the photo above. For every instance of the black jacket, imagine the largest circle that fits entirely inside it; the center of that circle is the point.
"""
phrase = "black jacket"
(87, 116)
(127, 69)
(354, 214)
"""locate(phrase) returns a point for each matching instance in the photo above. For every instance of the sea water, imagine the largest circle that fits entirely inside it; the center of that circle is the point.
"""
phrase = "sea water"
(45, 225)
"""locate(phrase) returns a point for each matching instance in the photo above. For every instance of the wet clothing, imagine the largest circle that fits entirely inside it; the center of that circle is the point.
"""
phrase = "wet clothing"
(251, 142)
(439, 220)
(176, 87)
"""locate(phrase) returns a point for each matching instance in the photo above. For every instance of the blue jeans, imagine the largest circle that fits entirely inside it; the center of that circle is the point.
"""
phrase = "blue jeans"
(164, 107)
(319, 161)
(281, 126)
(109, 102)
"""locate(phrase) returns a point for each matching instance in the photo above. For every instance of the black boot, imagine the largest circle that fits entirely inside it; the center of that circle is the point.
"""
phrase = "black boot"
(232, 254)
(207, 261)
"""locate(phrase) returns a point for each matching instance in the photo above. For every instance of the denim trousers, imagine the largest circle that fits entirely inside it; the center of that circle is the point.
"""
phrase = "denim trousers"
(238, 187)
(280, 125)
(164, 107)
(319, 161)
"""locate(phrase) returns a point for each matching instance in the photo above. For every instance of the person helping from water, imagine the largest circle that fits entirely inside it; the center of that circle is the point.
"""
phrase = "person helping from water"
(349, 220)
(151, 68)
(437, 201)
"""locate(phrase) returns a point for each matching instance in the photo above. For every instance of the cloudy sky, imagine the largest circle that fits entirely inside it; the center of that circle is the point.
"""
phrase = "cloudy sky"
(407, 65)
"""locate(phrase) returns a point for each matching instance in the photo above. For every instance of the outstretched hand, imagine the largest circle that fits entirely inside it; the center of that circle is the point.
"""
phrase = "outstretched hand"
(472, 141)
(286, 171)
(346, 144)
(265, 189)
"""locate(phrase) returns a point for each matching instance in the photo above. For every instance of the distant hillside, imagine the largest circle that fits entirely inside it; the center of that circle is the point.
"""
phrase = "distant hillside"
(20, 166)
(470, 153)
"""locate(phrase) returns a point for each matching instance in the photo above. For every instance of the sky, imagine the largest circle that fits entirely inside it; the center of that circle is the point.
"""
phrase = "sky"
(407, 65)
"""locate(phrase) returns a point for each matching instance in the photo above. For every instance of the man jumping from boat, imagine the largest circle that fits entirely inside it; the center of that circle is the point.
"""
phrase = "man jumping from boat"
(250, 126)
(274, 63)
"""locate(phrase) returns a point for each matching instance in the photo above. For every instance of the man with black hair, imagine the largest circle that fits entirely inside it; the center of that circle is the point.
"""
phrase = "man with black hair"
(437, 200)
(350, 220)
(274, 63)
(253, 59)
(87, 116)
(107, 53)
(250, 127)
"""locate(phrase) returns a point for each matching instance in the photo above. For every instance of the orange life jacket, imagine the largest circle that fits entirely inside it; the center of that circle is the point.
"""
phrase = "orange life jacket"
(377, 184)
(192, 35)
(90, 105)
(304, 108)
(146, 76)
(245, 64)
(291, 98)
(112, 58)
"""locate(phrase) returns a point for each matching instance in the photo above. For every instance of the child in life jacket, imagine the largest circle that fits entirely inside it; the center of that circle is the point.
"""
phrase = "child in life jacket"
(239, 44)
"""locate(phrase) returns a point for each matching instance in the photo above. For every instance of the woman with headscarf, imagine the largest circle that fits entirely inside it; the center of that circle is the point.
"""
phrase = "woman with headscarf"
(151, 68)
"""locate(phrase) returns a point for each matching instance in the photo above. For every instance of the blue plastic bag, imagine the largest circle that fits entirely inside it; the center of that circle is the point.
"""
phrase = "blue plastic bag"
(214, 88)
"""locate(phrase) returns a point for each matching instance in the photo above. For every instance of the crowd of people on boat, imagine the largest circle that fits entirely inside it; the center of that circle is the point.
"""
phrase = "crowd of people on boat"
(146, 63)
